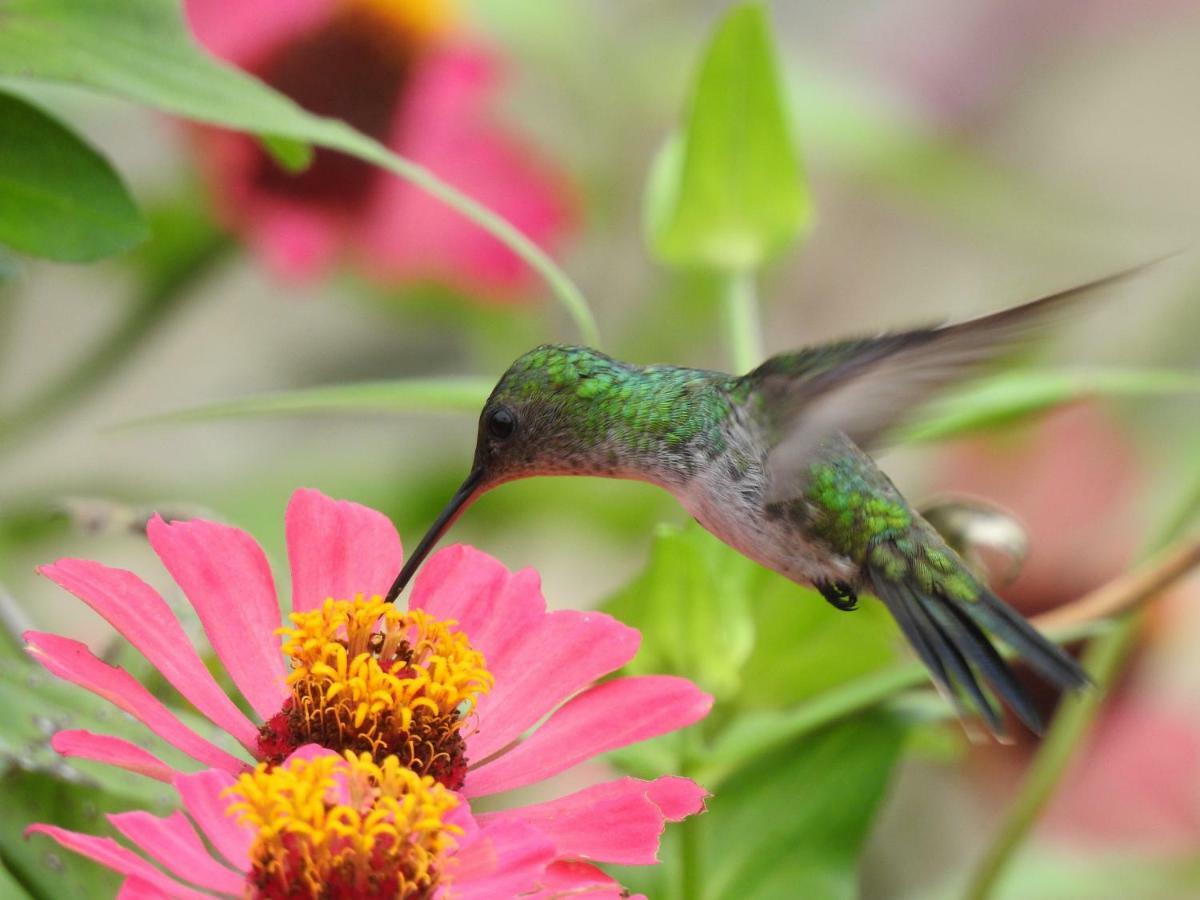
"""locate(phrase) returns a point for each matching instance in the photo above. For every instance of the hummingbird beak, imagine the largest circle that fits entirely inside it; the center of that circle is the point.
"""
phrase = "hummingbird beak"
(462, 497)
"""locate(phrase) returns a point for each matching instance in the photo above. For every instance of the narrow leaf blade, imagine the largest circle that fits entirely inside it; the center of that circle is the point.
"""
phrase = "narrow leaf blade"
(416, 395)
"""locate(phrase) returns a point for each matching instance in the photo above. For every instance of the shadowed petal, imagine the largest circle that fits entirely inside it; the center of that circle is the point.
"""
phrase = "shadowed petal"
(173, 842)
(143, 618)
(338, 549)
(444, 124)
(538, 668)
(603, 718)
(109, 853)
(618, 821)
(73, 662)
(570, 878)
(113, 751)
(226, 577)
(505, 859)
(201, 794)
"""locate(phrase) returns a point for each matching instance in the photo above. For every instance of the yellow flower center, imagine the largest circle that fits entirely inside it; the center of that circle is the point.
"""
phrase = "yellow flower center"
(370, 678)
(418, 21)
(334, 827)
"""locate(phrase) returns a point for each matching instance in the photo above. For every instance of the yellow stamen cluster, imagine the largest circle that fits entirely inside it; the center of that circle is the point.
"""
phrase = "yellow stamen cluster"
(343, 826)
(367, 676)
(418, 20)
(411, 661)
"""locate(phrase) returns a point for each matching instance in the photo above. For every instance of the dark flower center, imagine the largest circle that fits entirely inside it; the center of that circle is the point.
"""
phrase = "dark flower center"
(354, 67)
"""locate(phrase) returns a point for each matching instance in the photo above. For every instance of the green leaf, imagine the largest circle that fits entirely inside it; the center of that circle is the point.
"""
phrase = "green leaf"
(748, 635)
(729, 193)
(37, 705)
(292, 155)
(1006, 398)
(9, 886)
(39, 862)
(463, 395)
(141, 50)
(793, 824)
(692, 605)
(59, 198)
(805, 647)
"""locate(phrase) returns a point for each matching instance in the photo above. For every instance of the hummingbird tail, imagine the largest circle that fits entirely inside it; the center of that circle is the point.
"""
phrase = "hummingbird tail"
(949, 629)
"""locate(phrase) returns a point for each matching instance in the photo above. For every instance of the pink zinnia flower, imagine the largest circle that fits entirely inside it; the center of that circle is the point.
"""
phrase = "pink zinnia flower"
(318, 826)
(397, 72)
(451, 686)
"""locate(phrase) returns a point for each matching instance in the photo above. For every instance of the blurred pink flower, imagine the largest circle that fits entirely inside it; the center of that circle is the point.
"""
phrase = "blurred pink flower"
(452, 685)
(398, 73)
(1136, 782)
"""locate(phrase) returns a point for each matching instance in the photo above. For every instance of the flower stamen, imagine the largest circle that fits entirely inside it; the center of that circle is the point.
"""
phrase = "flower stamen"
(370, 678)
(341, 827)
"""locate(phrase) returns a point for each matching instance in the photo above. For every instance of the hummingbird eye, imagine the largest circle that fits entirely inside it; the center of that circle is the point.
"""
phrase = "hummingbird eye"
(501, 423)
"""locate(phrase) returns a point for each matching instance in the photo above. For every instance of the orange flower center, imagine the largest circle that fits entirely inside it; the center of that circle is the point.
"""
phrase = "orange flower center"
(343, 827)
(370, 678)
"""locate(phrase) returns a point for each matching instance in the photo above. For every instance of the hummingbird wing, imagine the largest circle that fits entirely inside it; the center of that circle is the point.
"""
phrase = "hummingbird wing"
(863, 388)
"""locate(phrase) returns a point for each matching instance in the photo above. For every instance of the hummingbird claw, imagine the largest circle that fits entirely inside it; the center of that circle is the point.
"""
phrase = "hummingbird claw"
(839, 594)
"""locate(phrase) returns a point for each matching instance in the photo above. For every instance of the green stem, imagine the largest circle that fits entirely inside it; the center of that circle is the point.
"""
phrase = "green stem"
(742, 321)
(1103, 661)
(162, 295)
(568, 294)
(691, 852)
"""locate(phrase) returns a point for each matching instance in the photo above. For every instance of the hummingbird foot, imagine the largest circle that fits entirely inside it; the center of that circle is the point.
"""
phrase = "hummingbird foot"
(839, 594)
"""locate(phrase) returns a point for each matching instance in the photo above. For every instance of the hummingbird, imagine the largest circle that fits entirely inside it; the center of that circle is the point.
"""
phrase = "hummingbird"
(776, 463)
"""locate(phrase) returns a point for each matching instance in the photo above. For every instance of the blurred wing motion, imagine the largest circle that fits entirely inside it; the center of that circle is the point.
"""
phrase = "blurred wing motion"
(863, 388)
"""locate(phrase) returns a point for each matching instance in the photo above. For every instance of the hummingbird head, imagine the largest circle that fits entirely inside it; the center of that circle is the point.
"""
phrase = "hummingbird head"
(553, 412)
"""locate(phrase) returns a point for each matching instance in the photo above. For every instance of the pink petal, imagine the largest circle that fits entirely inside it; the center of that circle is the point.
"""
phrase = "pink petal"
(505, 859)
(174, 844)
(112, 751)
(603, 718)
(109, 853)
(445, 125)
(243, 33)
(539, 659)
(338, 549)
(539, 668)
(136, 889)
(297, 243)
(141, 616)
(202, 795)
(226, 577)
(468, 586)
(570, 878)
(73, 662)
(617, 822)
